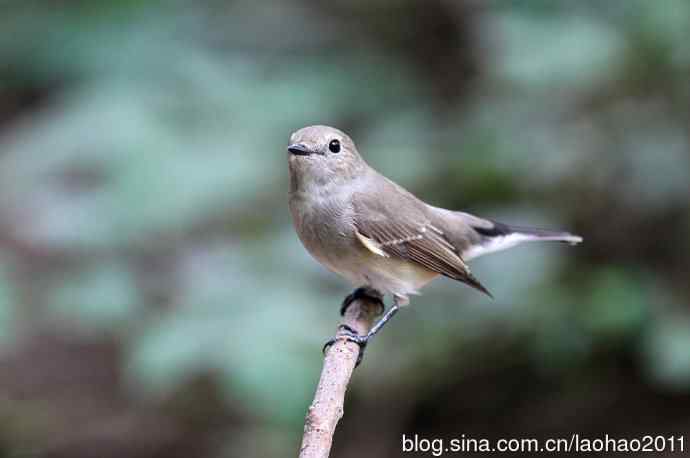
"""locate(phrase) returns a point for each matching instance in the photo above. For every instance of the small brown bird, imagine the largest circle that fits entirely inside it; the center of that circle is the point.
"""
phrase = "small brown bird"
(380, 237)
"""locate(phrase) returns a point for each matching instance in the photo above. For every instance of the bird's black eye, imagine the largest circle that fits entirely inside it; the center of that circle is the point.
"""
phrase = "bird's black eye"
(334, 146)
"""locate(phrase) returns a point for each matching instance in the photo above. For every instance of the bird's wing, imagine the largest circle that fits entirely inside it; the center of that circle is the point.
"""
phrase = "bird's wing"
(413, 237)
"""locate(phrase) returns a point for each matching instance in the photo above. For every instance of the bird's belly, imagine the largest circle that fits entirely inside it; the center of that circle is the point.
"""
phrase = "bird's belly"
(390, 275)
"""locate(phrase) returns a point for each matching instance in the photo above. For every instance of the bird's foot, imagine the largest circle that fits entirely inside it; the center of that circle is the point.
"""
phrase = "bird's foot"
(347, 333)
(363, 293)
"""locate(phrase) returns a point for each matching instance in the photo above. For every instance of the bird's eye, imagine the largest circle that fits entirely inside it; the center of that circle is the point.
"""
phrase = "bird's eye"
(334, 146)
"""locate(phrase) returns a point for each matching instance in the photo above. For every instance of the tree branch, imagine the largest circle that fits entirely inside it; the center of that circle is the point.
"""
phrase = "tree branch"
(327, 407)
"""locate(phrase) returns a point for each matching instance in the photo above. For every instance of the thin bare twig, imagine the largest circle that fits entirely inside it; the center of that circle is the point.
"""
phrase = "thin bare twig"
(327, 407)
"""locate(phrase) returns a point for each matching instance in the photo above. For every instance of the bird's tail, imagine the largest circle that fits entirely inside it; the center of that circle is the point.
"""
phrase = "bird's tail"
(498, 236)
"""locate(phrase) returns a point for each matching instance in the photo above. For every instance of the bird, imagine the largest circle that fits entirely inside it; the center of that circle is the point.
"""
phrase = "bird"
(379, 236)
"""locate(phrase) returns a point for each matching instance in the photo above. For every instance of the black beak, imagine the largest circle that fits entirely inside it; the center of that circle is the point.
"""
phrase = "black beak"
(299, 149)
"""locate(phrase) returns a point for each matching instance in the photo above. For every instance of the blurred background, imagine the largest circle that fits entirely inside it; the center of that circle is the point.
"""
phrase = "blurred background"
(155, 301)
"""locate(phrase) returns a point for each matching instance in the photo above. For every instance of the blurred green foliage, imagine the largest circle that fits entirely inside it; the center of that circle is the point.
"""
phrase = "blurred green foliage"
(154, 300)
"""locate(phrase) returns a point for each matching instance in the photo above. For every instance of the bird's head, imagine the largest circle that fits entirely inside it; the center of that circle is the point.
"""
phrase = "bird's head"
(322, 155)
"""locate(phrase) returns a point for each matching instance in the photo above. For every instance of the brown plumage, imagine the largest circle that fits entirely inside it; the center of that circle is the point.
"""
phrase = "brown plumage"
(373, 232)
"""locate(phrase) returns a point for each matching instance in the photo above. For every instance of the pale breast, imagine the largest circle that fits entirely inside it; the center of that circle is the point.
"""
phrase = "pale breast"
(325, 228)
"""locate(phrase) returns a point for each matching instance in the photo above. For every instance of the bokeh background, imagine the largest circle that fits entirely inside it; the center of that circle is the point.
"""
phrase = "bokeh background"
(155, 301)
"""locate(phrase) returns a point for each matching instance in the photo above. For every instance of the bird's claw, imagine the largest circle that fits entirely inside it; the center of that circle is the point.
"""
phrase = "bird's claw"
(347, 333)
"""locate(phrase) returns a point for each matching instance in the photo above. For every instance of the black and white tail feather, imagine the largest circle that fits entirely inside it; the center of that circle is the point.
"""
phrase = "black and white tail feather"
(501, 236)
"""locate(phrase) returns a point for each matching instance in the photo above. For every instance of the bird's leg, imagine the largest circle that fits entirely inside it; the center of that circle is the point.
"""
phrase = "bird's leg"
(352, 336)
(377, 327)
(363, 292)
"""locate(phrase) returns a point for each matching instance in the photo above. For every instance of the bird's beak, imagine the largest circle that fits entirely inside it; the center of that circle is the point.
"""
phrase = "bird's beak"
(299, 149)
